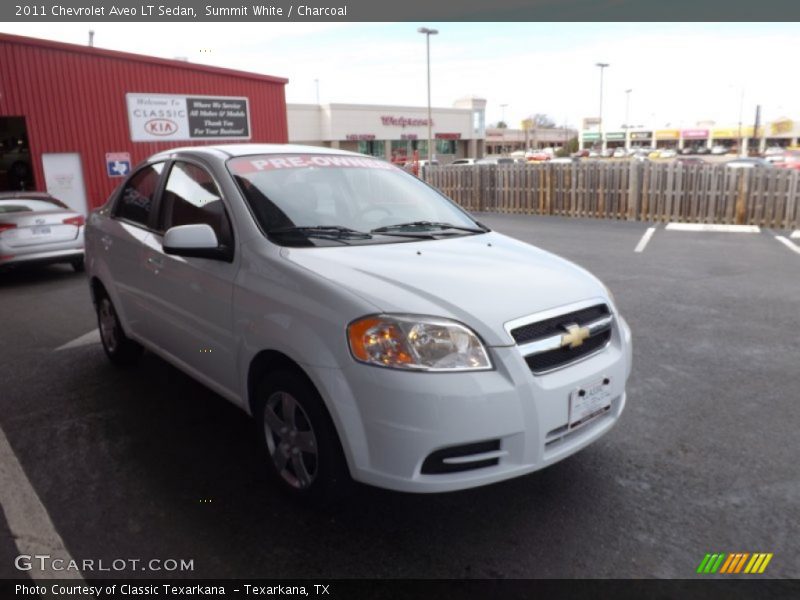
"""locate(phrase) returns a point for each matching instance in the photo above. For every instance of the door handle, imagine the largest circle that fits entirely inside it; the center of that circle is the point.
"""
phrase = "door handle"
(155, 261)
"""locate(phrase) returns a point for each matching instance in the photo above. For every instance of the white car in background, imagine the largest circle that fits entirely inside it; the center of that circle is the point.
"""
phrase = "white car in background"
(462, 162)
(373, 328)
(36, 228)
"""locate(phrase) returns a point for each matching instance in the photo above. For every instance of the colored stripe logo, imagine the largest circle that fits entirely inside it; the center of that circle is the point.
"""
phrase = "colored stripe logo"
(733, 563)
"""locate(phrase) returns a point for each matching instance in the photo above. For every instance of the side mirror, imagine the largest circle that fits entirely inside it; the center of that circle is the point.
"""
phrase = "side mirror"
(197, 240)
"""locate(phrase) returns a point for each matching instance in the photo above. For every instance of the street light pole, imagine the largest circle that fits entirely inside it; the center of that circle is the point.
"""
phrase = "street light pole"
(600, 123)
(428, 33)
(627, 108)
(627, 119)
(503, 121)
(741, 115)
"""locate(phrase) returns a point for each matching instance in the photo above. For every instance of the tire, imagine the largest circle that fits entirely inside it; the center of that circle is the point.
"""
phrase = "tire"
(303, 454)
(120, 349)
(78, 265)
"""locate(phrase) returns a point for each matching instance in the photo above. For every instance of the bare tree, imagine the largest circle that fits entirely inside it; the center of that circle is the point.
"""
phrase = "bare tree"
(542, 121)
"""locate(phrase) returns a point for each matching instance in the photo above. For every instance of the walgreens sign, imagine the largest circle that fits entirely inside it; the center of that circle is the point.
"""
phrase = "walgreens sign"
(404, 122)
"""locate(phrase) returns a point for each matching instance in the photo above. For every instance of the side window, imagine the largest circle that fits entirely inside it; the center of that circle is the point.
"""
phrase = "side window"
(191, 196)
(136, 200)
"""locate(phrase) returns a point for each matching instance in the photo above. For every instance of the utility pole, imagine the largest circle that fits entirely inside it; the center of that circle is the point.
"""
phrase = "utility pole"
(428, 33)
(741, 113)
(600, 120)
(756, 126)
(627, 118)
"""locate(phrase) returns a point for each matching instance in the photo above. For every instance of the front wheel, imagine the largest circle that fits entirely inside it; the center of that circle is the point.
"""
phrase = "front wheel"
(299, 440)
(120, 349)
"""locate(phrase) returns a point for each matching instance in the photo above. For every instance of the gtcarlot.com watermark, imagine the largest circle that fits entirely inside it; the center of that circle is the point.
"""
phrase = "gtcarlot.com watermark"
(45, 562)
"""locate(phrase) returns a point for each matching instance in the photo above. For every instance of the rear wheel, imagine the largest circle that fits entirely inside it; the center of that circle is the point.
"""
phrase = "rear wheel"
(120, 349)
(300, 443)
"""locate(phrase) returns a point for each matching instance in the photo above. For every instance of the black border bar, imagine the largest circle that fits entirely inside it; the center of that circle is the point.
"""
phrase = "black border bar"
(399, 10)
(413, 589)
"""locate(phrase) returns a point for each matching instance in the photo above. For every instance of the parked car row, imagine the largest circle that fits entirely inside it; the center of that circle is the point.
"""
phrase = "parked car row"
(779, 157)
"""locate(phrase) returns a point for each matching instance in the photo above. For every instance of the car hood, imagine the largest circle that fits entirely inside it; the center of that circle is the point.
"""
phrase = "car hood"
(482, 280)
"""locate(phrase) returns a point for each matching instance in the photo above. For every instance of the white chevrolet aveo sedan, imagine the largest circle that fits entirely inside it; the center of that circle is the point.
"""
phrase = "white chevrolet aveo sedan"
(373, 329)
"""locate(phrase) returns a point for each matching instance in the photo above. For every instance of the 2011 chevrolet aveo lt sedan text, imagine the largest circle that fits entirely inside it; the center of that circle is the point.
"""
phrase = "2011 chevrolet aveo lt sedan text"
(371, 326)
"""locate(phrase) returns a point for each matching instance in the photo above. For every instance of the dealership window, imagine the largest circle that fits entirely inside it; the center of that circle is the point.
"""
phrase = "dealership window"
(136, 200)
(190, 197)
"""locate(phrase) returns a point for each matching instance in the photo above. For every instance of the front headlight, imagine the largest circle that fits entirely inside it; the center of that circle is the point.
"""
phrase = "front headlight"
(416, 344)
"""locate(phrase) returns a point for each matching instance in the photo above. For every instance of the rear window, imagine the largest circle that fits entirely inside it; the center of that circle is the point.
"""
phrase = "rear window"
(29, 205)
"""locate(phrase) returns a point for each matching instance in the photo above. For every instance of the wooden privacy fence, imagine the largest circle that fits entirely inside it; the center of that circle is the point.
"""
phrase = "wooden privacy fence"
(628, 190)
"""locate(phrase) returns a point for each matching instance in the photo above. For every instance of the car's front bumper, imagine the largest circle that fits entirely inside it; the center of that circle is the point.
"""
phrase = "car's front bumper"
(391, 421)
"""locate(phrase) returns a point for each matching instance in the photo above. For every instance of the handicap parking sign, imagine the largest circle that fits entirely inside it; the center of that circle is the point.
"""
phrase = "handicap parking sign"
(118, 164)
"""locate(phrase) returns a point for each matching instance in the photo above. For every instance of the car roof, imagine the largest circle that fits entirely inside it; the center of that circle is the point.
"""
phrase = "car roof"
(232, 150)
(26, 195)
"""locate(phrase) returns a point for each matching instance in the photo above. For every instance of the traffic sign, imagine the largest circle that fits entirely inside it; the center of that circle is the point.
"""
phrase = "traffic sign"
(118, 164)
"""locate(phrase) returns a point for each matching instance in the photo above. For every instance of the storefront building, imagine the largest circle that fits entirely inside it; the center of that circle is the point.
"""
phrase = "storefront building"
(695, 138)
(640, 139)
(783, 132)
(615, 139)
(392, 132)
(502, 141)
(667, 138)
(74, 120)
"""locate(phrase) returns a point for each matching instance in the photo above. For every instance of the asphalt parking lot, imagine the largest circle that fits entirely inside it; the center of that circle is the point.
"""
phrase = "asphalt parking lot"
(147, 463)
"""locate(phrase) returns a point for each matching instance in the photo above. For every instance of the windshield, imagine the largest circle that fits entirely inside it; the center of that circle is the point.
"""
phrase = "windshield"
(358, 193)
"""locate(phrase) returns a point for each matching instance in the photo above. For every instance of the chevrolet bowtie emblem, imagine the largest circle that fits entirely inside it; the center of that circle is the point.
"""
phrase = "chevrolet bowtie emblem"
(574, 336)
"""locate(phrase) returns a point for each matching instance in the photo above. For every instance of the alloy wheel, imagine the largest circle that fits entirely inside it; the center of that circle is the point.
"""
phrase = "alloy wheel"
(290, 439)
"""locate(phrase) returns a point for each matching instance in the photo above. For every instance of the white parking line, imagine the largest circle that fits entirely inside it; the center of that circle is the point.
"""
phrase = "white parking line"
(93, 337)
(713, 227)
(795, 234)
(30, 525)
(645, 238)
(787, 243)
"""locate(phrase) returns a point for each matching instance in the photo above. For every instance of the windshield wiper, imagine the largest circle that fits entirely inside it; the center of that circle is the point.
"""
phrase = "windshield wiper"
(326, 231)
(427, 225)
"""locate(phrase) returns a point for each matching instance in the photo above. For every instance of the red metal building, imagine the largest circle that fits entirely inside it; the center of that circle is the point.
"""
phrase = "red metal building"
(69, 114)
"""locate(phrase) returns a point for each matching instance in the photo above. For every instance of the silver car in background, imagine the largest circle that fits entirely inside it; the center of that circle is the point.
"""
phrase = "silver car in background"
(37, 228)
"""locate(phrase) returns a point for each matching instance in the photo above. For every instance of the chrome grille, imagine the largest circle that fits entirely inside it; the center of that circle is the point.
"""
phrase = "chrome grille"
(555, 342)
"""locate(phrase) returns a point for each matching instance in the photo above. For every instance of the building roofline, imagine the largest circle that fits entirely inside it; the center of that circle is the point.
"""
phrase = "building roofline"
(375, 107)
(129, 56)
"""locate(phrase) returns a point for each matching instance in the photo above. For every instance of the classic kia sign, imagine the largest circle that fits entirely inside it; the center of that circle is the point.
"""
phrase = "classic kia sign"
(156, 117)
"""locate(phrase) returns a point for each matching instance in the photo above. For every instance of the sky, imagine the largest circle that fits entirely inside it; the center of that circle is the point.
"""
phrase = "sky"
(680, 74)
